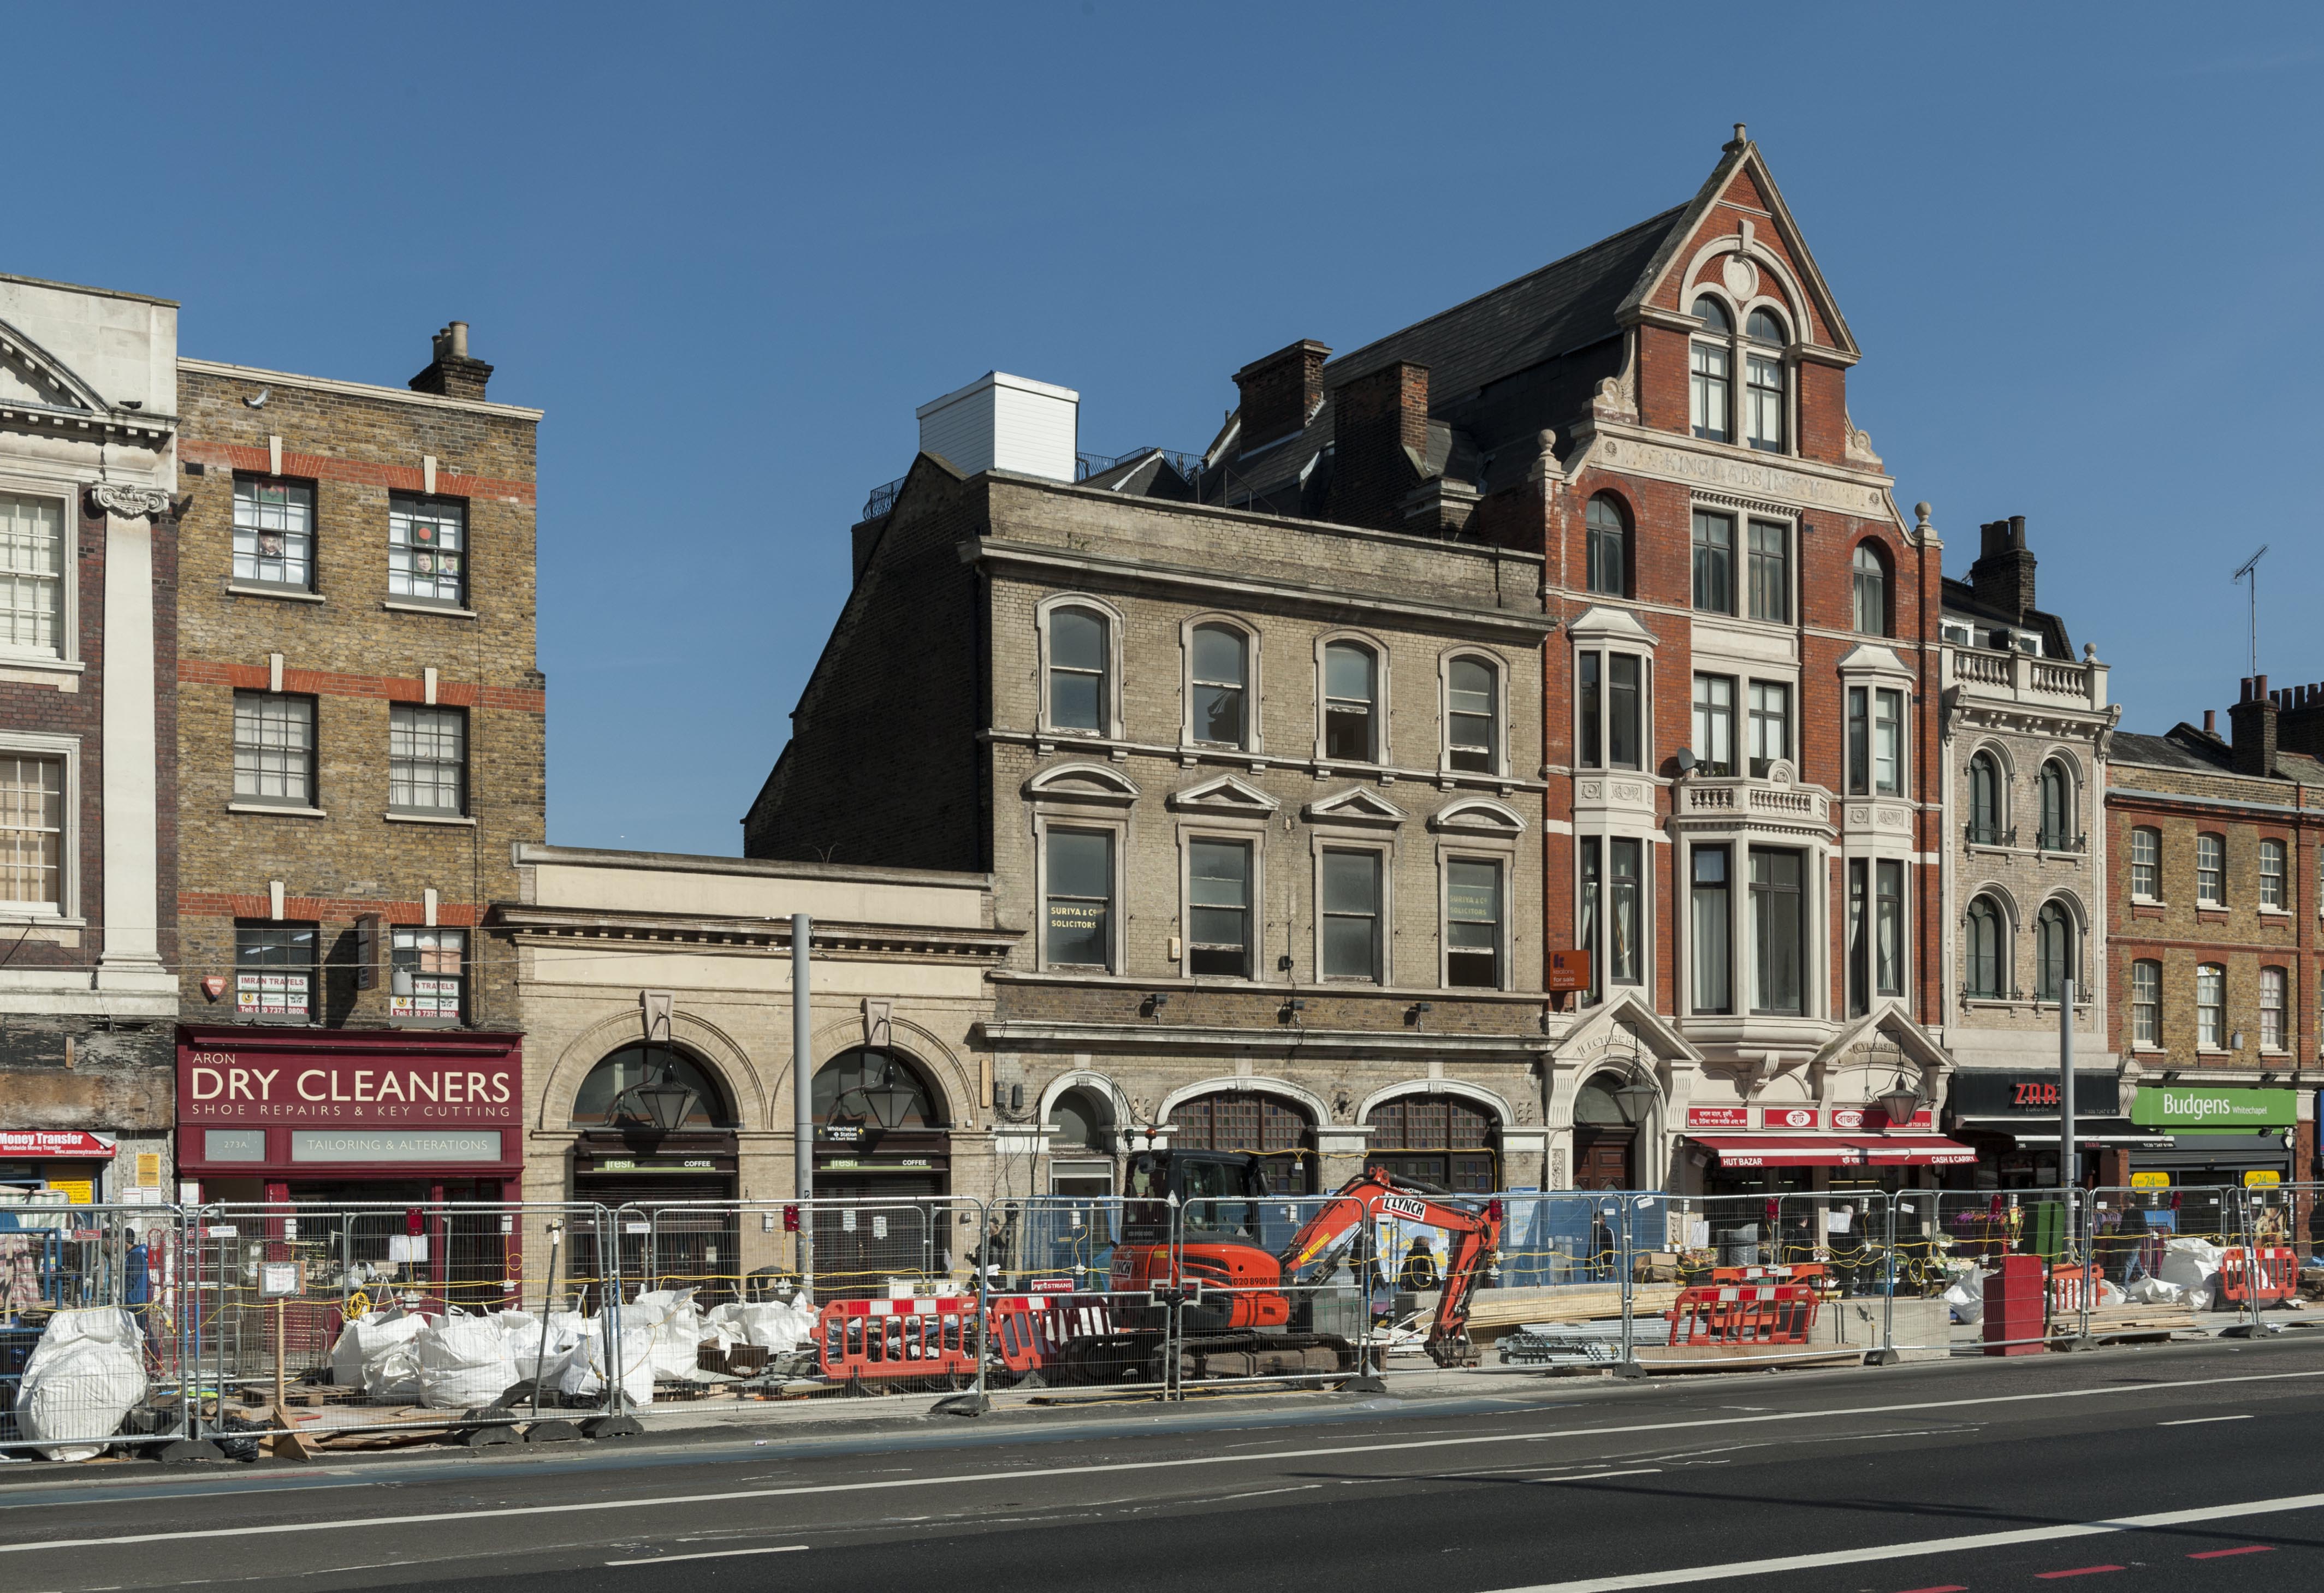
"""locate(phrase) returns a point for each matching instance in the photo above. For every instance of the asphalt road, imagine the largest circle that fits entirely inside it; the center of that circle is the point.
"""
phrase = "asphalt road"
(2189, 1468)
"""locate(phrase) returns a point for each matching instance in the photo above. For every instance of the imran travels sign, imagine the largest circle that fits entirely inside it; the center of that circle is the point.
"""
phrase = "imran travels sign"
(2211, 1106)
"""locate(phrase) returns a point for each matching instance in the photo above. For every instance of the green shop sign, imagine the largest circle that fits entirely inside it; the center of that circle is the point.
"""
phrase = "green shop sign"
(2208, 1106)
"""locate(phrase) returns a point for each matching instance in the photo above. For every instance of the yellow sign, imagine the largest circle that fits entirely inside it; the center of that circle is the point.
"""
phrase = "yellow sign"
(149, 1169)
(2150, 1181)
(77, 1192)
(2256, 1179)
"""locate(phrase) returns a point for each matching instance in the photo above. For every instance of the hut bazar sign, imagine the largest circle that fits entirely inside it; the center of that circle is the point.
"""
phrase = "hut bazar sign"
(220, 1087)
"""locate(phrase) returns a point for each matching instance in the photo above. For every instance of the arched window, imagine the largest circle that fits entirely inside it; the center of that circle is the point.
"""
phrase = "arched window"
(1439, 1139)
(2053, 951)
(1219, 686)
(1081, 1124)
(611, 1096)
(1871, 576)
(1609, 531)
(1078, 659)
(1984, 800)
(1350, 687)
(1710, 385)
(1982, 959)
(1472, 715)
(877, 1088)
(1763, 372)
(2057, 807)
(1278, 1131)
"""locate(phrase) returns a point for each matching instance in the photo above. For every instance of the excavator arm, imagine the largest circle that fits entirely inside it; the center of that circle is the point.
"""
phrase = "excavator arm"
(1476, 1236)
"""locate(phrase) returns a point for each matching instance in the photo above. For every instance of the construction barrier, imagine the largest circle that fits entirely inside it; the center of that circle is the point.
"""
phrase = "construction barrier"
(2269, 1275)
(1030, 1332)
(1765, 1313)
(868, 1341)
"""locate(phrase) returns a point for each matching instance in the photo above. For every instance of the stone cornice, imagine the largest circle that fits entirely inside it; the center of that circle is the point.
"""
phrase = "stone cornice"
(1221, 1041)
(647, 933)
(128, 503)
(1778, 480)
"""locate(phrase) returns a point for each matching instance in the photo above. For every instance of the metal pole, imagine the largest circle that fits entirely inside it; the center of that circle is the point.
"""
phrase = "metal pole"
(2069, 1168)
(803, 1094)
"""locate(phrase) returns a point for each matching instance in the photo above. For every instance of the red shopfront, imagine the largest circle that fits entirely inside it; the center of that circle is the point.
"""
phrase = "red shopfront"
(1856, 1146)
(314, 1117)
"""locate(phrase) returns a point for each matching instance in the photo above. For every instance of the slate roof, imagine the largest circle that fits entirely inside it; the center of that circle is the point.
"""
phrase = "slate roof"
(2185, 747)
(1961, 599)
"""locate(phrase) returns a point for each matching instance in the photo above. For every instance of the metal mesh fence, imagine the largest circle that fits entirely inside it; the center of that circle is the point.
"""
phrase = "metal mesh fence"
(91, 1346)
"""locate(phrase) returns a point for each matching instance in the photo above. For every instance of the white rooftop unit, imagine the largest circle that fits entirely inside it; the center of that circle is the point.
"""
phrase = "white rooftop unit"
(1004, 422)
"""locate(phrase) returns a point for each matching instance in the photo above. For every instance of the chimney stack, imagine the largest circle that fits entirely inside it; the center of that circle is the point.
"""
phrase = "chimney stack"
(2003, 575)
(1379, 445)
(455, 373)
(2299, 726)
(1279, 392)
(2252, 723)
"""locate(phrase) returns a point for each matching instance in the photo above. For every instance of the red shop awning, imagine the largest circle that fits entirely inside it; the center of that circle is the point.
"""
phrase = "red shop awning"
(1784, 1150)
(1912, 1150)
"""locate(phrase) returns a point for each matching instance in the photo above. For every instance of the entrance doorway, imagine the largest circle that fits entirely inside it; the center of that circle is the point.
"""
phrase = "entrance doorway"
(1605, 1158)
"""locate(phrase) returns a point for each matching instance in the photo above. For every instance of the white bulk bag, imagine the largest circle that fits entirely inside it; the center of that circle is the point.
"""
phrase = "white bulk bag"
(677, 1330)
(2193, 1264)
(464, 1362)
(584, 1372)
(84, 1375)
(374, 1353)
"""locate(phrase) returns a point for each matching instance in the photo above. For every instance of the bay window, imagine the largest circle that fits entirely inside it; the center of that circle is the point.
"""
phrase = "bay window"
(1710, 944)
(1714, 724)
(1779, 929)
(1771, 725)
(1609, 689)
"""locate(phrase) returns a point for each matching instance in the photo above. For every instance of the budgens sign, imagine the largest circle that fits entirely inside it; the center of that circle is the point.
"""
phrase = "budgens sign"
(2206, 1105)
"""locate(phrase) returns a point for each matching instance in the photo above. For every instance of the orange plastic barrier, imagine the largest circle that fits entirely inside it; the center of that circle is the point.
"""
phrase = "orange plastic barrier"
(2070, 1285)
(864, 1339)
(1798, 1272)
(1770, 1313)
(1029, 1331)
(2273, 1276)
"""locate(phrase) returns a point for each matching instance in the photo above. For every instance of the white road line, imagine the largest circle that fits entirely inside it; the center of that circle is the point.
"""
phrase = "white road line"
(714, 1554)
(2031, 1534)
(1031, 1473)
(1590, 1476)
(2198, 1420)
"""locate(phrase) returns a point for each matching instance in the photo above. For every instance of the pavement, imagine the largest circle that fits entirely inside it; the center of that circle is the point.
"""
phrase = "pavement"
(2167, 1467)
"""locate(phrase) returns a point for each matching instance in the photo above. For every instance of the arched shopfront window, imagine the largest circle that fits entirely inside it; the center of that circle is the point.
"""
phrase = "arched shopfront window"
(1280, 1132)
(1439, 1139)
(605, 1099)
(878, 1088)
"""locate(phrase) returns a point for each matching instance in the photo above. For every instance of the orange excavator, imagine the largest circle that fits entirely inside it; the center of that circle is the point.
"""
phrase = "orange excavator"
(1245, 1310)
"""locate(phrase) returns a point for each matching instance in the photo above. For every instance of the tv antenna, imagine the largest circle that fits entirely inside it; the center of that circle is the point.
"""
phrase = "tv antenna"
(2250, 571)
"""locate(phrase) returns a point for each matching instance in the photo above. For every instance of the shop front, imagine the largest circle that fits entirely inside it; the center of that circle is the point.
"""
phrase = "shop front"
(2215, 1136)
(52, 1164)
(2011, 1119)
(1742, 1150)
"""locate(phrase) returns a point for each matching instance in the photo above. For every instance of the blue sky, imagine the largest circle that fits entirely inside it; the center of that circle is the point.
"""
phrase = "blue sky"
(729, 251)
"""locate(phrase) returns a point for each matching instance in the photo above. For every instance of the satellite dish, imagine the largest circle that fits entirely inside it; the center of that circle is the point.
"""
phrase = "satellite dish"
(1685, 759)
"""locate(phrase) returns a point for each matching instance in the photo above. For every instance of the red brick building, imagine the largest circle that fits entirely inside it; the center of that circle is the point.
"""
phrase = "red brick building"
(1741, 743)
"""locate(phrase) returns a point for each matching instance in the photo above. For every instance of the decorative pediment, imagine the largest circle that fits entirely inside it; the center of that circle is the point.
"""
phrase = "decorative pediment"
(1887, 1037)
(1355, 805)
(1869, 658)
(1602, 623)
(1620, 1027)
(1083, 782)
(1478, 815)
(29, 373)
(1224, 795)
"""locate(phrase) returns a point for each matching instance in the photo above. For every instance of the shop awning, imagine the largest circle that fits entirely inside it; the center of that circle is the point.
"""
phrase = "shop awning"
(1835, 1150)
(1778, 1150)
(1913, 1150)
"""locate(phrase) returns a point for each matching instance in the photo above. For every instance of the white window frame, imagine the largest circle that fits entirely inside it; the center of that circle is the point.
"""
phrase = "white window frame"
(1382, 696)
(465, 718)
(66, 497)
(2153, 863)
(1321, 842)
(1469, 849)
(2219, 899)
(2281, 1011)
(1119, 829)
(313, 800)
(2282, 876)
(242, 478)
(1253, 736)
(1252, 833)
(1109, 699)
(1498, 751)
(2153, 1039)
(1740, 348)
(2213, 1013)
(66, 913)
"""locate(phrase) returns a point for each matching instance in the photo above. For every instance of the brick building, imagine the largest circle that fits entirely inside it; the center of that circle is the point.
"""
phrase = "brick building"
(1260, 794)
(87, 810)
(2215, 962)
(360, 743)
(2025, 727)
(1741, 743)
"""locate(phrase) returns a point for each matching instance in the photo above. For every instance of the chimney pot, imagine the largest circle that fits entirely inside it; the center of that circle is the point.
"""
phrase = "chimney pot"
(460, 340)
(2210, 721)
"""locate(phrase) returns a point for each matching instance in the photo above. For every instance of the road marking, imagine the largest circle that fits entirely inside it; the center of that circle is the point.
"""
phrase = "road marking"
(1032, 1473)
(2222, 1553)
(2198, 1421)
(2079, 1571)
(1947, 1587)
(1682, 1575)
(714, 1554)
(1593, 1476)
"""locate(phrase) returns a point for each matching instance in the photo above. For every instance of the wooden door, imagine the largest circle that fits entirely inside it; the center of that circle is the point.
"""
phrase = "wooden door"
(1602, 1158)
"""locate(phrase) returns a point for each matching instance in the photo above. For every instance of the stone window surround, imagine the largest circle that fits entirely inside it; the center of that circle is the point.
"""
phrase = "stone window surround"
(1607, 630)
(1739, 348)
(65, 488)
(1613, 827)
(1500, 668)
(1206, 826)
(1816, 895)
(1112, 706)
(1468, 846)
(1383, 697)
(1254, 731)
(1873, 668)
(1116, 825)
(1324, 835)
(67, 750)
